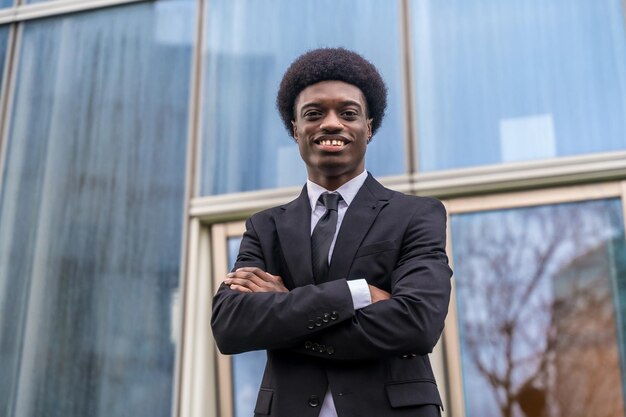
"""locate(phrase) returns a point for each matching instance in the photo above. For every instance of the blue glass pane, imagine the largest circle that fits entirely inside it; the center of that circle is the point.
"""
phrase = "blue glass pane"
(505, 81)
(6, 3)
(91, 213)
(248, 48)
(4, 36)
(541, 296)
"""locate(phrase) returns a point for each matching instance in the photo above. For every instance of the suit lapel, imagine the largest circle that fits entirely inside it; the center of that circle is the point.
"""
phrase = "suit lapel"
(360, 216)
(294, 233)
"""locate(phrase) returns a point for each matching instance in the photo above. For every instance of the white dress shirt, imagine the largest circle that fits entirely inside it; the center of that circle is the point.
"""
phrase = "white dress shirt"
(358, 288)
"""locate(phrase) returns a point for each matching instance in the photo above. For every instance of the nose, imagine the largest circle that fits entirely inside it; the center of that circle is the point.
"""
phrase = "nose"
(331, 123)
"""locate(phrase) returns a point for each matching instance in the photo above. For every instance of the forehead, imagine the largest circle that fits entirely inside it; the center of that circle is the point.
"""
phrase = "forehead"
(327, 92)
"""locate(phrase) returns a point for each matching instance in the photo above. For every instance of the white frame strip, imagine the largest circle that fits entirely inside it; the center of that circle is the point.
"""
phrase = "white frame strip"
(7, 90)
(220, 234)
(52, 8)
(198, 388)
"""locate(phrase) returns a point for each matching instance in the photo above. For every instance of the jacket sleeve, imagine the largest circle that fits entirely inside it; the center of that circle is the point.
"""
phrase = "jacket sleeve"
(252, 321)
(411, 321)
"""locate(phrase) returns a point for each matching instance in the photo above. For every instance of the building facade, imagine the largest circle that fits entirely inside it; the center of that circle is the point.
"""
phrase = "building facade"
(136, 136)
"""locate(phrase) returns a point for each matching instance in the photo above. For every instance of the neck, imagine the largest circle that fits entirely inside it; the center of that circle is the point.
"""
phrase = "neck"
(332, 183)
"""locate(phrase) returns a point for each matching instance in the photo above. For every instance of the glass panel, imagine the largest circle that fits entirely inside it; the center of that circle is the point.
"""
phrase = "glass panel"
(505, 81)
(247, 367)
(248, 48)
(541, 296)
(6, 3)
(91, 213)
(4, 36)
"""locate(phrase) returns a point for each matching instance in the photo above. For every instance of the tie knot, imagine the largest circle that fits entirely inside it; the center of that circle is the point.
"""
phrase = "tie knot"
(330, 201)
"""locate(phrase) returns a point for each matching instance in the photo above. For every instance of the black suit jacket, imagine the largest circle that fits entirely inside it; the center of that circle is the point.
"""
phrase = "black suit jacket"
(374, 359)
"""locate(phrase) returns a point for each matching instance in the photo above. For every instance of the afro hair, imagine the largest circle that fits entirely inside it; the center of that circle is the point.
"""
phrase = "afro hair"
(336, 64)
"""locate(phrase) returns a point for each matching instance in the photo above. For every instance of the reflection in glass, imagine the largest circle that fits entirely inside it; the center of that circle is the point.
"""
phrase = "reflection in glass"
(91, 213)
(248, 48)
(247, 368)
(506, 81)
(541, 294)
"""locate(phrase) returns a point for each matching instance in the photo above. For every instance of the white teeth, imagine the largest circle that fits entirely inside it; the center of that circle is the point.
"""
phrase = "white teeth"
(331, 142)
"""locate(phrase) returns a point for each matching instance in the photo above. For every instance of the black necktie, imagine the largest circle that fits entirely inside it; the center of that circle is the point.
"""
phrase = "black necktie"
(323, 235)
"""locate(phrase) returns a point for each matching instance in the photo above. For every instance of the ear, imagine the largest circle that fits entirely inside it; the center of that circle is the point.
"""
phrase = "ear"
(294, 130)
(369, 130)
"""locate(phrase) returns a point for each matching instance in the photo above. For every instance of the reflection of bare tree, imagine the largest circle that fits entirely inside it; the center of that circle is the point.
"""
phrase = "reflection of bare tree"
(537, 316)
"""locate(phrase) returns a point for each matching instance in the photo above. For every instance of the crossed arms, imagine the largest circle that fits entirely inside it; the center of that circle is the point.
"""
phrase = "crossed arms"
(254, 310)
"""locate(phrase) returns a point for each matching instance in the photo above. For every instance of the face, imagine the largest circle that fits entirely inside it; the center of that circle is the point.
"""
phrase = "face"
(332, 130)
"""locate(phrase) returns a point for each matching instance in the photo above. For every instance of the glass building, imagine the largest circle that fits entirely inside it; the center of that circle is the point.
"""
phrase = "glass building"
(136, 136)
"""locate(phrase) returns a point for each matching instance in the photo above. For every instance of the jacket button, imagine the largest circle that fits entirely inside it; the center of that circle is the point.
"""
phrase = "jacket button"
(314, 401)
(311, 325)
(308, 344)
(322, 348)
(330, 350)
(316, 346)
(326, 318)
(334, 315)
(318, 322)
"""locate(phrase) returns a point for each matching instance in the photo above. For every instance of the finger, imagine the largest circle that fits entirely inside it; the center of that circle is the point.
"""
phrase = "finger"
(261, 278)
(239, 288)
(253, 270)
(249, 275)
(272, 278)
(242, 282)
(275, 278)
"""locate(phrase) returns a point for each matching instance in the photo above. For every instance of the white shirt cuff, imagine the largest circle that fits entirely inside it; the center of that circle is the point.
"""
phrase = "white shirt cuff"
(360, 293)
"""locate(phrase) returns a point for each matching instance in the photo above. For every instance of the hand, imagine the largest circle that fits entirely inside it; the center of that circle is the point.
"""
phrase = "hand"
(254, 280)
(377, 294)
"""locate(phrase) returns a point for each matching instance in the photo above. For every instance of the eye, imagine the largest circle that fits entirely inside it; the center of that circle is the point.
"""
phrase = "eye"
(349, 114)
(312, 114)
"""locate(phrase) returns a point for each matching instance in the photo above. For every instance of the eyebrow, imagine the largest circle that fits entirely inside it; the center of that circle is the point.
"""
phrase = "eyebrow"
(343, 104)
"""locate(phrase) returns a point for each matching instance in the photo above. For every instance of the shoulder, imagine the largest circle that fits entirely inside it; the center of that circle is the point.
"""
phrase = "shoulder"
(269, 215)
(417, 202)
(403, 201)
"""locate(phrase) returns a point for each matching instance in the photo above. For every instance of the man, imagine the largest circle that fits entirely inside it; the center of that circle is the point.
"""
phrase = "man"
(346, 287)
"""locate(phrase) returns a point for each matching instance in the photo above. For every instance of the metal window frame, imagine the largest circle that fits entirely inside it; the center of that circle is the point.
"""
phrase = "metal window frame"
(594, 168)
(22, 12)
(6, 92)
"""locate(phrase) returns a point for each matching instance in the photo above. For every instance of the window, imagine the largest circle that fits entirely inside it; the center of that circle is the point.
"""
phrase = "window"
(500, 82)
(91, 214)
(540, 295)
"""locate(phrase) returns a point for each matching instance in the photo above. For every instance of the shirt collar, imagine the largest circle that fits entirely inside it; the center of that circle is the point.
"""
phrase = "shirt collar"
(348, 190)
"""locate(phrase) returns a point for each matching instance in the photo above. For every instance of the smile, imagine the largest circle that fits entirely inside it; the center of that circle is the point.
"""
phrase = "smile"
(332, 142)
